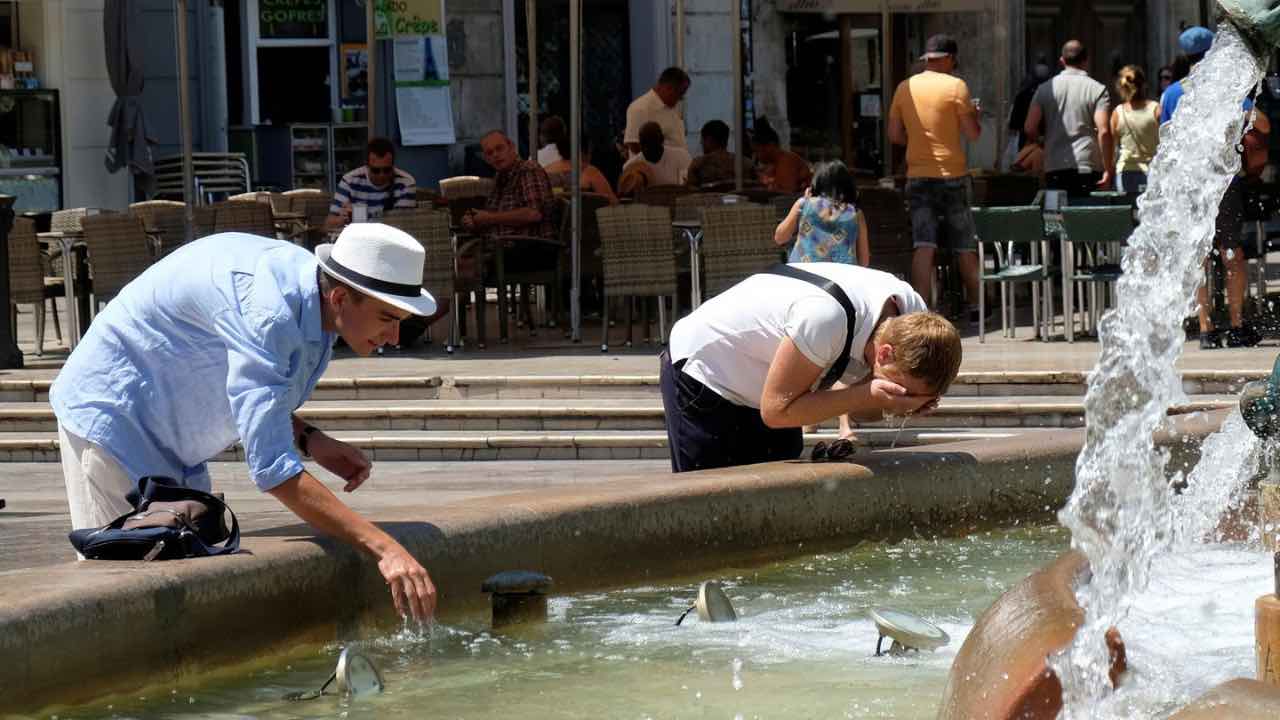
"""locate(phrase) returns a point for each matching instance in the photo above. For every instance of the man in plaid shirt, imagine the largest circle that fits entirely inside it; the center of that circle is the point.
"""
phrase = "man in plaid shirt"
(522, 202)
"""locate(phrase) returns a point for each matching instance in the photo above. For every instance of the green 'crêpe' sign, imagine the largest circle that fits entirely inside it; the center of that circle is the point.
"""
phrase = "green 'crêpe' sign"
(293, 19)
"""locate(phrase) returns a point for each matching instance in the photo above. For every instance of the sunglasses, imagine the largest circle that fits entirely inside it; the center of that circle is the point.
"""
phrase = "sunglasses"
(835, 451)
(381, 170)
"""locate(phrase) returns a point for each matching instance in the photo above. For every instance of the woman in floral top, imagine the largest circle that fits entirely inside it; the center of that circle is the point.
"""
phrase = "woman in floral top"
(830, 227)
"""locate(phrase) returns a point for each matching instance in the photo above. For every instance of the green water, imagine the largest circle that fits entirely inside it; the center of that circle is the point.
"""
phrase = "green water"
(803, 647)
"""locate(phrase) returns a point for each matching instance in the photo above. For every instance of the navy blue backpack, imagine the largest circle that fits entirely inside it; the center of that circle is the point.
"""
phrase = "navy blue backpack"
(168, 521)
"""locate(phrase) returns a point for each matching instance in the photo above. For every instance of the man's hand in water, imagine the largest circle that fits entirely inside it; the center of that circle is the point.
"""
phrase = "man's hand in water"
(344, 460)
(411, 586)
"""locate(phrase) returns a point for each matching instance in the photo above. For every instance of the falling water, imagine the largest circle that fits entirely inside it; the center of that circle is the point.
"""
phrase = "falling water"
(1228, 459)
(1120, 513)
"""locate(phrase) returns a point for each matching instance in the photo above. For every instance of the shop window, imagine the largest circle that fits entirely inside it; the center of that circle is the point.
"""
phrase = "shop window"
(292, 57)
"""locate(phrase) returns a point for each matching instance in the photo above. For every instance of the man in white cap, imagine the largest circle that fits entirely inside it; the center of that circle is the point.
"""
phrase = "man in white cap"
(221, 342)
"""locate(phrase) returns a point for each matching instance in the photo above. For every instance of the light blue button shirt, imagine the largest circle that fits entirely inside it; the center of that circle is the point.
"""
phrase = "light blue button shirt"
(220, 341)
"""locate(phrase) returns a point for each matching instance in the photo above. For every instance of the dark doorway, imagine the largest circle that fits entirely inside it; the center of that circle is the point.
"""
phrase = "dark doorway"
(606, 66)
(1114, 33)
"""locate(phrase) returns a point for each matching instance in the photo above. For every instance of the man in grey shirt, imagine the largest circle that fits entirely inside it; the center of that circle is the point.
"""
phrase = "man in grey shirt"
(1079, 149)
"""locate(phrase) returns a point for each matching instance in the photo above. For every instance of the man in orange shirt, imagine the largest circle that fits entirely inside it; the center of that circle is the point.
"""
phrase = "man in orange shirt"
(930, 112)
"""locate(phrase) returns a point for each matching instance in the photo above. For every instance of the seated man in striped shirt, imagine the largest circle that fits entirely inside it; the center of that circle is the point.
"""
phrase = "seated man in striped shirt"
(379, 186)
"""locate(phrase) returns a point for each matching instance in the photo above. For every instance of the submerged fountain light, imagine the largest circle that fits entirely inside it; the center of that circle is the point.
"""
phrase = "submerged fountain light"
(712, 605)
(355, 675)
(907, 631)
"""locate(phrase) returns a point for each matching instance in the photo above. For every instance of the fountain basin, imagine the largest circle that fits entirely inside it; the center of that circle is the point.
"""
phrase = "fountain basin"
(74, 632)
(1241, 699)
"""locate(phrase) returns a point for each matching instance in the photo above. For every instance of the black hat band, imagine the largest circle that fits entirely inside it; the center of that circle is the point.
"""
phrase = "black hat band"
(372, 283)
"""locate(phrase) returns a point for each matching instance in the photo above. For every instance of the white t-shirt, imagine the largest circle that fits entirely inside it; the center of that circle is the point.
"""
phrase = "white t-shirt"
(729, 342)
(649, 108)
(672, 169)
(548, 155)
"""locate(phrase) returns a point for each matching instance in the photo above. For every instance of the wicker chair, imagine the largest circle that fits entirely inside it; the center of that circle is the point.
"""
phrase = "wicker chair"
(425, 197)
(635, 243)
(690, 206)
(663, 195)
(254, 218)
(29, 281)
(166, 224)
(204, 222)
(67, 220)
(279, 203)
(310, 231)
(431, 228)
(463, 186)
(147, 210)
(888, 230)
(119, 250)
(737, 241)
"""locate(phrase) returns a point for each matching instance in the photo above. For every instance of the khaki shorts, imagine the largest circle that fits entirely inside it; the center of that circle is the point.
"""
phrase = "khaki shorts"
(96, 484)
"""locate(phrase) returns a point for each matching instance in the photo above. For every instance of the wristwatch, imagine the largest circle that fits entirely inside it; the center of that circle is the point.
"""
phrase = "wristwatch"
(302, 439)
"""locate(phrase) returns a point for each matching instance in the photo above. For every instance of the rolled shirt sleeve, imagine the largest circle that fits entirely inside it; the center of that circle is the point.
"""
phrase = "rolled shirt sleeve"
(259, 368)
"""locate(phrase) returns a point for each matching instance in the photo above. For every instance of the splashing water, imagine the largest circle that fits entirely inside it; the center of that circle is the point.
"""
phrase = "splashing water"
(1228, 459)
(1120, 511)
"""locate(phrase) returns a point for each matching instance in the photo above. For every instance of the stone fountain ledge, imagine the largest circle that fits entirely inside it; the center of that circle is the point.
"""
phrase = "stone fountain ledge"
(339, 386)
(73, 632)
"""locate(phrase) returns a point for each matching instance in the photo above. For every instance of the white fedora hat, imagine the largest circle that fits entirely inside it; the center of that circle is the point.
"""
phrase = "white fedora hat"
(382, 262)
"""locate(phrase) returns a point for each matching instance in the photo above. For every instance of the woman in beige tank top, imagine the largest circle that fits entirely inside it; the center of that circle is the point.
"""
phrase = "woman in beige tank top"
(1136, 124)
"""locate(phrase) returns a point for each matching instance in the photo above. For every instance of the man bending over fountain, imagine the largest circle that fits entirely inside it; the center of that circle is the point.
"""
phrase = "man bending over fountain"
(794, 346)
(220, 342)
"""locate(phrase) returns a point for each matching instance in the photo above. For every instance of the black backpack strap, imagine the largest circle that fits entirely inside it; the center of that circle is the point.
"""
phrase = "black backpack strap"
(851, 315)
(165, 489)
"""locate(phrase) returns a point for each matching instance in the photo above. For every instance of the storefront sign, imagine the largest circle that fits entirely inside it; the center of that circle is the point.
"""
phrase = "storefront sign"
(293, 19)
(424, 105)
(401, 18)
(876, 6)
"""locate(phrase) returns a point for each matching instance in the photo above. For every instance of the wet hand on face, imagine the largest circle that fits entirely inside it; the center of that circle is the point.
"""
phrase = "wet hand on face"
(918, 397)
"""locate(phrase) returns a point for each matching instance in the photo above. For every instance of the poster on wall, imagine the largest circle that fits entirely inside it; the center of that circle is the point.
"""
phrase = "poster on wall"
(421, 68)
(355, 74)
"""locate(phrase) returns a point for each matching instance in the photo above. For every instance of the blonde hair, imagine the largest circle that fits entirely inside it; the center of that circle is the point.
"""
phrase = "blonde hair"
(925, 346)
(1131, 82)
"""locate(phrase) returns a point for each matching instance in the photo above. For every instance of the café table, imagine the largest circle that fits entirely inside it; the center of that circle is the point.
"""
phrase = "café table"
(75, 270)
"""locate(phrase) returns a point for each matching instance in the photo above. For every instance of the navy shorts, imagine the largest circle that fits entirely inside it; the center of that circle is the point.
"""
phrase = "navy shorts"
(706, 431)
(940, 213)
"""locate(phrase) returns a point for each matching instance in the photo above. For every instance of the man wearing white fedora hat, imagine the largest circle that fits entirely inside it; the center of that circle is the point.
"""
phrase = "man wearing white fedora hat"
(221, 342)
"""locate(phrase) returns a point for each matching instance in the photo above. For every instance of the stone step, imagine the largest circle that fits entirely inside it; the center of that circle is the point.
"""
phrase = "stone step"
(394, 445)
(613, 414)
(526, 387)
